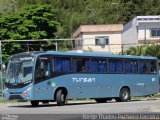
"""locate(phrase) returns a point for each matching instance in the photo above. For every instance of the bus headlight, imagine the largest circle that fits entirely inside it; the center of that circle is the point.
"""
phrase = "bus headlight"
(25, 93)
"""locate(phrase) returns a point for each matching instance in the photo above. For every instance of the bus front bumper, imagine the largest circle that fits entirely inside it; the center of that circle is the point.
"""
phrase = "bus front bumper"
(15, 96)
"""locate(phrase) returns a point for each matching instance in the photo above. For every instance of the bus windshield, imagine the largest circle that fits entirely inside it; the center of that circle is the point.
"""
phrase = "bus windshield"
(20, 70)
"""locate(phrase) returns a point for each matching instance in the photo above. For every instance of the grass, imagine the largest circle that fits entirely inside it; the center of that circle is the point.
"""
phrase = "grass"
(156, 96)
(6, 102)
(3, 101)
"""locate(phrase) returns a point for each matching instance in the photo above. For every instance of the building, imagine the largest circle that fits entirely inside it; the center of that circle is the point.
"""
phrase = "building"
(116, 38)
(141, 30)
(105, 38)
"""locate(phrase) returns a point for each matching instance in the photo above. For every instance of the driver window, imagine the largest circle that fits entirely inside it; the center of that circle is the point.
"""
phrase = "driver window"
(43, 69)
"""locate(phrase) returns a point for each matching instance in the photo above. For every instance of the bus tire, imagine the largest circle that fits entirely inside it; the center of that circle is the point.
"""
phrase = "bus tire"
(34, 103)
(124, 95)
(60, 97)
(101, 100)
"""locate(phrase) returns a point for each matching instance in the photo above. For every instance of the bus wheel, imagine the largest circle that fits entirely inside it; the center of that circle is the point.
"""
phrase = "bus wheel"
(124, 95)
(60, 97)
(34, 103)
(101, 100)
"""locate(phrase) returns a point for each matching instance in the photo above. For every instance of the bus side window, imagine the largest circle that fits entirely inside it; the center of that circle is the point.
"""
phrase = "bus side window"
(153, 67)
(53, 65)
(127, 67)
(80, 65)
(43, 69)
(62, 64)
(144, 67)
(141, 67)
(134, 66)
(47, 69)
(115, 66)
(98, 65)
(131, 66)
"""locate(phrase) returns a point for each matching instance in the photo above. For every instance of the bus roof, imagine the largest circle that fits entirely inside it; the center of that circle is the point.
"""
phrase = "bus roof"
(86, 54)
(97, 54)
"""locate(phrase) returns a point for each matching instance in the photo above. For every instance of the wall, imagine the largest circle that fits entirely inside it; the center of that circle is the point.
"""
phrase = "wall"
(129, 35)
(144, 31)
(138, 30)
(88, 42)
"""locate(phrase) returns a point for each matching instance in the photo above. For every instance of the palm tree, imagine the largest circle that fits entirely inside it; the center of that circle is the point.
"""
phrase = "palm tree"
(153, 50)
(145, 50)
(138, 50)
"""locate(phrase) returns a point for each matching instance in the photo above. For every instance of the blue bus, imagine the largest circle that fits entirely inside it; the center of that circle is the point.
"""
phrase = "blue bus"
(52, 76)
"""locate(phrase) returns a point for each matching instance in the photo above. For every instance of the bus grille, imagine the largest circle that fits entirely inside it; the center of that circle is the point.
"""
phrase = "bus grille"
(18, 97)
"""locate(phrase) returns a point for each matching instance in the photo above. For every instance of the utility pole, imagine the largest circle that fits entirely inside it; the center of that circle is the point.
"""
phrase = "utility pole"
(122, 49)
(56, 44)
(1, 68)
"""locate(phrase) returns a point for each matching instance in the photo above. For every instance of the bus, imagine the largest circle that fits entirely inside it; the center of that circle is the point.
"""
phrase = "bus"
(52, 76)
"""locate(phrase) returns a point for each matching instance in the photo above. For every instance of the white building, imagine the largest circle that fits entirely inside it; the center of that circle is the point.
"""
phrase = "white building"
(116, 38)
(141, 30)
(105, 38)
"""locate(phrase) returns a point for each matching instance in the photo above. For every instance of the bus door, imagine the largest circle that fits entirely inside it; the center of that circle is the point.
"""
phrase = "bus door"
(43, 72)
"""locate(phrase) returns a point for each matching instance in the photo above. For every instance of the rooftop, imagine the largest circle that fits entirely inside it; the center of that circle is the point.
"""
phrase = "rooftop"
(98, 28)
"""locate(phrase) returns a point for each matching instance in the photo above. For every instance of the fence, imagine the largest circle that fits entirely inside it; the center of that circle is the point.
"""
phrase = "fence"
(2, 78)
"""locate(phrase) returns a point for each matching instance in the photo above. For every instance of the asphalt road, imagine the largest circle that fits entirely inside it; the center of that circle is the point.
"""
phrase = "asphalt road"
(112, 107)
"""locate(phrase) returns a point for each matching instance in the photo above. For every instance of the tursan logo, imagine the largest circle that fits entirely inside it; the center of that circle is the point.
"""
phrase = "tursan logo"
(25, 58)
(84, 79)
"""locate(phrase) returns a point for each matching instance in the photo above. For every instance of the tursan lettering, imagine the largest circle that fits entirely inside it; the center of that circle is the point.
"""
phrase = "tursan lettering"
(83, 79)
(25, 58)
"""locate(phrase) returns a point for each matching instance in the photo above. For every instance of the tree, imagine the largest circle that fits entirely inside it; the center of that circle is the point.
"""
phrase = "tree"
(153, 50)
(145, 50)
(138, 50)
(72, 13)
(37, 19)
(32, 22)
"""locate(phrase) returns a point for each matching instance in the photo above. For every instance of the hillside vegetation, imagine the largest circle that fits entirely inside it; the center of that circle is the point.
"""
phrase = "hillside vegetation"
(49, 19)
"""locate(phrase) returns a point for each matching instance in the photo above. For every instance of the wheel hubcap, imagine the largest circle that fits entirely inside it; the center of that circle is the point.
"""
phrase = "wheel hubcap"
(62, 97)
(125, 94)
